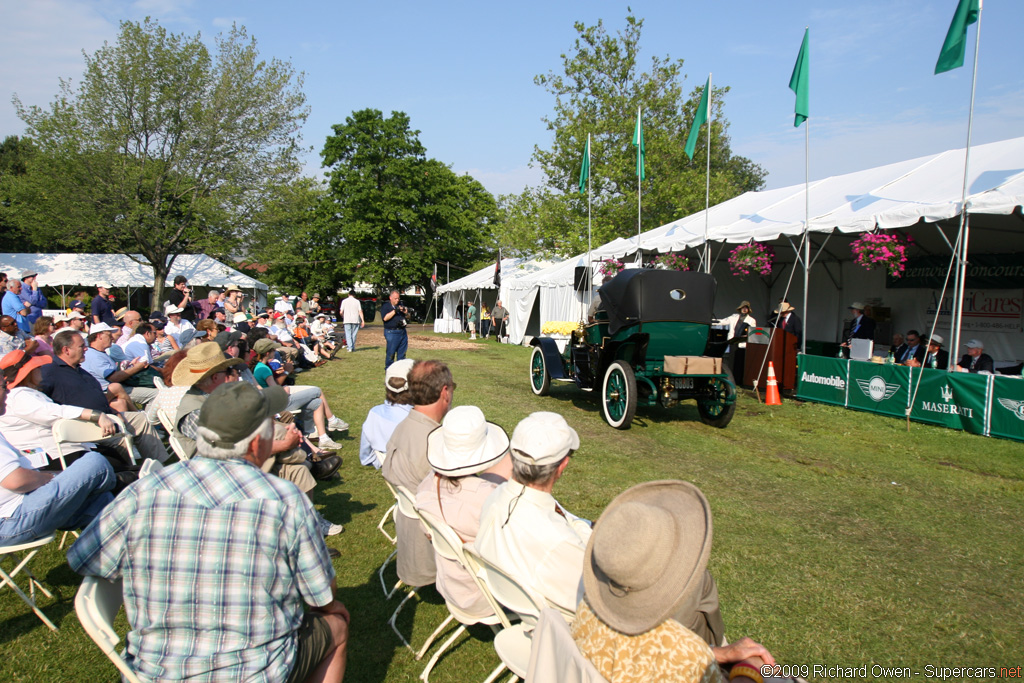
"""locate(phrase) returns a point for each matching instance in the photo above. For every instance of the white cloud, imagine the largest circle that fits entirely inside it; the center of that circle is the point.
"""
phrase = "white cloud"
(511, 181)
(225, 23)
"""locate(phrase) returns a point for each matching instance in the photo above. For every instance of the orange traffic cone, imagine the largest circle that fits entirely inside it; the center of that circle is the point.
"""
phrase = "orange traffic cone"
(772, 397)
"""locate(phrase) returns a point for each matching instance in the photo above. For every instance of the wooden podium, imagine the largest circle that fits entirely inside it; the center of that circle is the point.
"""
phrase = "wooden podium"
(781, 352)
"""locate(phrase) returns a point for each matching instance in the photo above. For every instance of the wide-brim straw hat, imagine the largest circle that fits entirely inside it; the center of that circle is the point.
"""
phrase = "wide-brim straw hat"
(742, 304)
(784, 308)
(232, 288)
(28, 364)
(201, 361)
(465, 443)
(647, 555)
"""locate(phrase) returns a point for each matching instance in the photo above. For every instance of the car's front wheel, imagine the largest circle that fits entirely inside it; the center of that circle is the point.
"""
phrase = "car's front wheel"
(540, 378)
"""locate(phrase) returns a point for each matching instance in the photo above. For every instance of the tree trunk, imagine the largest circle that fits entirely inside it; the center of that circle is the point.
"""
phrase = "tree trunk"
(156, 300)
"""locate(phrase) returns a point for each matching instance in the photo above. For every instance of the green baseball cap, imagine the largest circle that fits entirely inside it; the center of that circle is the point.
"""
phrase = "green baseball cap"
(235, 410)
(264, 345)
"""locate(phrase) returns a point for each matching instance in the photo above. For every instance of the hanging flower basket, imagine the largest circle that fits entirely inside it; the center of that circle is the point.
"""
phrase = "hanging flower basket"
(882, 250)
(612, 267)
(752, 258)
(671, 261)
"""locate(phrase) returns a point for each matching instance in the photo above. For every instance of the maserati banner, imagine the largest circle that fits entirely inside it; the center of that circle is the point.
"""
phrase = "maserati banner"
(951, 399)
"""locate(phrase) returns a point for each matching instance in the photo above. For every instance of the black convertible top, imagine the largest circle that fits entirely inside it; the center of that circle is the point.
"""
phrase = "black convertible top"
(642, 295)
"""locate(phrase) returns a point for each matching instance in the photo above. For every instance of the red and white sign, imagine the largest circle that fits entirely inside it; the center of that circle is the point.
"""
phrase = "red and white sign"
(985, 310)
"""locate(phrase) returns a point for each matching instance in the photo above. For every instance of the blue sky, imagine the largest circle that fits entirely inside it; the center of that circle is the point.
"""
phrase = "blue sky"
(463, 71)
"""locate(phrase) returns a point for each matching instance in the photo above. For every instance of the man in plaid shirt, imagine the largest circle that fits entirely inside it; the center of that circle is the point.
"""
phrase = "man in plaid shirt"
(218, 558)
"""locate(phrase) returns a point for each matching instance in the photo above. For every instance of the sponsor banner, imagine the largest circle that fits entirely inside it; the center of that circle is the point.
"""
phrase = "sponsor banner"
(821, 379)
(879, 388)
(993, 271)
(985, 310)
(951, 399)
(1006, 416)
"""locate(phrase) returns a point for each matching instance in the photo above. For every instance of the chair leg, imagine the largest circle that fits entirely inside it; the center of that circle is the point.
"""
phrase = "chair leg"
(383, 520)
(394, 618)
(65, 538)
(425, 676)
(497, 672)
(8, 580)
(430, 640)
(380, 573)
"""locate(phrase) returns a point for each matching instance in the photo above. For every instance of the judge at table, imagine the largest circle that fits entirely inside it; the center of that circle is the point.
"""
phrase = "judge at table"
(936, 357)
(976, 360)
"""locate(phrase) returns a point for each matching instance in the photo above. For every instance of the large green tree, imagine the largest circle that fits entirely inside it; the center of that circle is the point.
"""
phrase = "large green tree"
(15, 153)
(163, 147)
(599, 91)
(396, 212)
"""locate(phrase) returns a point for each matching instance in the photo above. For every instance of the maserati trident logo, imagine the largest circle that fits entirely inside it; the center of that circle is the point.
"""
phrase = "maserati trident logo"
(877, 389)
(947, 394)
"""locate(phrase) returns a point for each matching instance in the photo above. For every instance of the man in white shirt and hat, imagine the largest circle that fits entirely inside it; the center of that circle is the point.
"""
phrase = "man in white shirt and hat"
(382, 419)
(524, 531)
(175, 323)
(469, 458)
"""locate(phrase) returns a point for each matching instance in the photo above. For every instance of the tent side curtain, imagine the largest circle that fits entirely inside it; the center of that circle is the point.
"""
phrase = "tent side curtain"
(119, 270)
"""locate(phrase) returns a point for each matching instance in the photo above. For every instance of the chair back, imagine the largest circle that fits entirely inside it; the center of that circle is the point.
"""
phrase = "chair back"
(97, 603)
(158, 382)
(149, 466)
(505, 589)
(406, 501)
(448, 545)
(176, 445)
(554, 655)
(80, 431)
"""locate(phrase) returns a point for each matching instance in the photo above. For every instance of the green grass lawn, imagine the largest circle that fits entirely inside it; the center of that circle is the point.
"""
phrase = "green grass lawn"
(840, 538)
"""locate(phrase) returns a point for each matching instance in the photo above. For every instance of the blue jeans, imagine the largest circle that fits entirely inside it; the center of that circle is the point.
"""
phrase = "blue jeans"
(306, 399)
(70, 500)
(397, 343)
(351, 330)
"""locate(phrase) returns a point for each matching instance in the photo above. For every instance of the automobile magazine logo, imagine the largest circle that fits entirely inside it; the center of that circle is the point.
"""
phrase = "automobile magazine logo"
(831, 381)
(947, 407)
(877, 389)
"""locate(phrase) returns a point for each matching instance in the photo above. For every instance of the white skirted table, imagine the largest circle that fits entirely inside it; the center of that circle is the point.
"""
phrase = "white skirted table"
(447, 325)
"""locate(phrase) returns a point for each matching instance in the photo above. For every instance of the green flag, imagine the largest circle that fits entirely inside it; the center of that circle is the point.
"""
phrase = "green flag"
(799, 82)
(952, 54)
(638, 142)
(585, 168)
(699, 120)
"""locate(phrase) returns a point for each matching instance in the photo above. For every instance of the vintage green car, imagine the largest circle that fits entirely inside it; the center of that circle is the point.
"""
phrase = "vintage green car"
(651, 342)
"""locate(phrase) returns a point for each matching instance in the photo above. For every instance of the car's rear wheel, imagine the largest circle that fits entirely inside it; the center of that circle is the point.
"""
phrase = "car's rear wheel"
(540, 378)
(717, 408)
(618, 395)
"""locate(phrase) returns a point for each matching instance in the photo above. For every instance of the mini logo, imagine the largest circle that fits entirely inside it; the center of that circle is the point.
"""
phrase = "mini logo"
(1015, 407)
(876, 388)
(947, 394)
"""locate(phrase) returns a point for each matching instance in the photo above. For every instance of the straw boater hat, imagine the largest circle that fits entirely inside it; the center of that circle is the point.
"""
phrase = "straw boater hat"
(937, 340)
(465, 443)
(201, 362)
(119, 313)
(543, 439)
(22, 365)
(647, 555)
(742, 304)
(400, 370)
(784, 308)
(856, 306)
(171, 308)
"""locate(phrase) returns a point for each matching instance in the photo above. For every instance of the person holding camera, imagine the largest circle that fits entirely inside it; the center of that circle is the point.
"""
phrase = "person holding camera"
(181, 297)
(394, 313)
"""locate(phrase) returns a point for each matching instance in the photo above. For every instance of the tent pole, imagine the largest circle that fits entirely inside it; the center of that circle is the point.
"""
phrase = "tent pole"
(965, 228)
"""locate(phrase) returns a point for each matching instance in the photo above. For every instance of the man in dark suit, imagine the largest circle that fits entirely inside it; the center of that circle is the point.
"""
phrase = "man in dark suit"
(936, 357)
(914, 351)
(898, 347)
(862, 327)
(787, 320)
(976, 360)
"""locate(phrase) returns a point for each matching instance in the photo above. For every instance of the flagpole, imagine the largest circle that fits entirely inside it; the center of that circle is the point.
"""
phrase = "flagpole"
(590, 201)
(965, 229)
(807, 224)
(707, 187)
(639, 184)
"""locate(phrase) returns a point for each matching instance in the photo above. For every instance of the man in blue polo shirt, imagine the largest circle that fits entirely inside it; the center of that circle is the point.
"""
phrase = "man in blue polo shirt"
(102, 311)
(395, 337)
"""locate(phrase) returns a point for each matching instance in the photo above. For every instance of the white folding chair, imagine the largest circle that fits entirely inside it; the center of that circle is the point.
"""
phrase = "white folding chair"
(394, 541)
(448, 545)
(176, 445)
(149, 466)
(158, 382)
(554, 655)
(29, 549)
(97, 603)
(80, 431)
(511, 644)
(406, 503)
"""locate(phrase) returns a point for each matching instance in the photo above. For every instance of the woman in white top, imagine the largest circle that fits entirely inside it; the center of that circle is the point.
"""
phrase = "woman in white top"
(31, 413)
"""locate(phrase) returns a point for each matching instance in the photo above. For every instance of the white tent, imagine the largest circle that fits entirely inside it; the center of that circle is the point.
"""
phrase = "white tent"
(920, 196)
(466, 287)
(64, 271)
